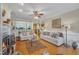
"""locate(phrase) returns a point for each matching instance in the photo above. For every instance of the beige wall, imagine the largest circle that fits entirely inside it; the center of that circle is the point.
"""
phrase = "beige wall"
(7, 15)
(48, 26)
(70, 18)
(75, 27)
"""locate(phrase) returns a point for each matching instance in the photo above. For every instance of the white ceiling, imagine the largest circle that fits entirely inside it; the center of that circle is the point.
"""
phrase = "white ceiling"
(49, 9)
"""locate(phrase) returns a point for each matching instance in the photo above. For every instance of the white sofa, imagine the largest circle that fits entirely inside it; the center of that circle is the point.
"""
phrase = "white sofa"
(71, 37)
(57, 41)
(26, 35)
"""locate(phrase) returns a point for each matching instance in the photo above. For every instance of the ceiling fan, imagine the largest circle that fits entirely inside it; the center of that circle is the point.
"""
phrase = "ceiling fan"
(35, 12)
(38, 14)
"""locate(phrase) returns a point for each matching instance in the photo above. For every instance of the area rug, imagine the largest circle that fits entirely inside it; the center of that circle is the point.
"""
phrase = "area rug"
(34, 45)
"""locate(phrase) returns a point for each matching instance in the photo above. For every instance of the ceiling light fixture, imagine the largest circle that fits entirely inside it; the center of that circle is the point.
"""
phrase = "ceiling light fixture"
(35, 17)
(20, 10)
(22, 4)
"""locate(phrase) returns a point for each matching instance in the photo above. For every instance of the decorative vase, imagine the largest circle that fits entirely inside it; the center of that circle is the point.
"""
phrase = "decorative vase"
(74, 45)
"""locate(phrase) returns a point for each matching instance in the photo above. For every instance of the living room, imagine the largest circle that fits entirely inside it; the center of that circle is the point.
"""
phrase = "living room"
(40, 29)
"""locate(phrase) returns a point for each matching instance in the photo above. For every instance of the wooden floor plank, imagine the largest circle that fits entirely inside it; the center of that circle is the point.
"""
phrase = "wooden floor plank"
(51, 48)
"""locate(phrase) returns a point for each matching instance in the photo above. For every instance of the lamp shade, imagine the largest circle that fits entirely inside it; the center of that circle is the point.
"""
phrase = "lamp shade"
(67, 26)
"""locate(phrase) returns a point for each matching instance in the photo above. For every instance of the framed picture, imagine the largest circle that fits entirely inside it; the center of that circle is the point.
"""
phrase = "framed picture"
(56, 23)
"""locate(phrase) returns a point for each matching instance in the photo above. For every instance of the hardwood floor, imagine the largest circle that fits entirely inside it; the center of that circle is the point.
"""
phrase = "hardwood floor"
(51, 48)
(30, 48)
(61, 50)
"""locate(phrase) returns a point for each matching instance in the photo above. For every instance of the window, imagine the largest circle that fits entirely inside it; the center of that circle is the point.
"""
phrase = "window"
(23, 25)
